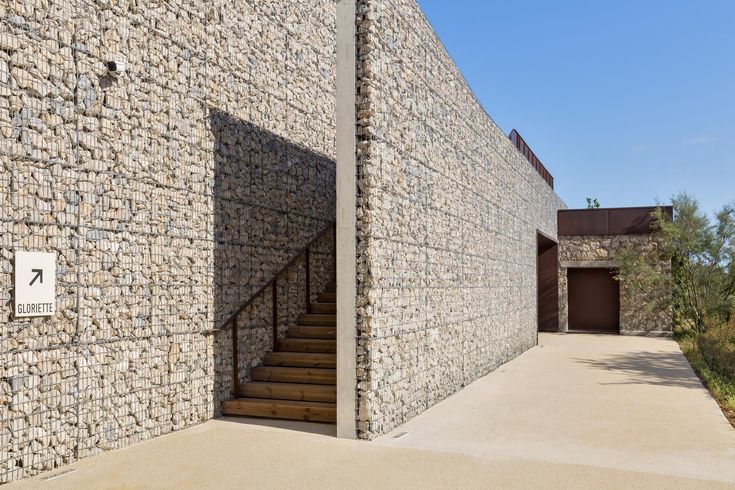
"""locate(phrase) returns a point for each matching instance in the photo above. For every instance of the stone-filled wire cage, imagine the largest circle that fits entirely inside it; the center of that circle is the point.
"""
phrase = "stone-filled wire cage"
(169, 193)
(84, 175)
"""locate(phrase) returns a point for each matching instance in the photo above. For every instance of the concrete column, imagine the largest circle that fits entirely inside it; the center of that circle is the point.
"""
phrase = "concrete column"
(346, 221)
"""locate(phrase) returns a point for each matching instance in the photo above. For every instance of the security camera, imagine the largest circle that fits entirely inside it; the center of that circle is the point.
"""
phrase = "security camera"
(117, 65)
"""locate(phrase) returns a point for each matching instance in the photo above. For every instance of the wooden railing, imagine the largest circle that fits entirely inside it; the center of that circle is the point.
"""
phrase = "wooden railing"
(272, 284)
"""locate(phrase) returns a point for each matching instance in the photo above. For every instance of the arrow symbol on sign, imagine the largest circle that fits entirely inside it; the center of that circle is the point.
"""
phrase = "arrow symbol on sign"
(39, 276)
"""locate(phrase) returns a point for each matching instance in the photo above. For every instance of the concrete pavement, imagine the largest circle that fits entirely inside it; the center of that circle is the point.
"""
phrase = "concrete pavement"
(630, 403)
(576, 412)
(225, 454)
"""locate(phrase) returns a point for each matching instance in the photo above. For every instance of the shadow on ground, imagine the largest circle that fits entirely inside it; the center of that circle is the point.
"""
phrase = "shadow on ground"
(647, 368)
(289, 425)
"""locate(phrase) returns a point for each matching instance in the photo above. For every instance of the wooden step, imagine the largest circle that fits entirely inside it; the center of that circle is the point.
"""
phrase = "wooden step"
(281, 409)
(317, 319)
(312, 332)
(301, 359)
(325, 308)
(307, 345)
(280, 374)
(289, 391)
(327, 298)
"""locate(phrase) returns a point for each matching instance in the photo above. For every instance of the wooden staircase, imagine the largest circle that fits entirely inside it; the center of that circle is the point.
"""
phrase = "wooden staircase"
(298, 380)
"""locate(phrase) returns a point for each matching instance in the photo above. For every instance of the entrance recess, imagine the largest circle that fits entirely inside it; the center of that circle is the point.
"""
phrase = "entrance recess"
(548, 284)
(594, 300)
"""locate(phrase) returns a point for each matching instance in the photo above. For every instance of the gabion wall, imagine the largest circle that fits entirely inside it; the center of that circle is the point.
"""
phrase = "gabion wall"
(448, 213)
(637, 315)
(170, 194)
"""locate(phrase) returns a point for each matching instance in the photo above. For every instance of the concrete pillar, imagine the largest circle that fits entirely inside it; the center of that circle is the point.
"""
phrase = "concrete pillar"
(346, 221)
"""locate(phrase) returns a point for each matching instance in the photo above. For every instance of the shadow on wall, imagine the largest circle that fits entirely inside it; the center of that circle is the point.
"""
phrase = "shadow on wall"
(270, 198)
(648, 368)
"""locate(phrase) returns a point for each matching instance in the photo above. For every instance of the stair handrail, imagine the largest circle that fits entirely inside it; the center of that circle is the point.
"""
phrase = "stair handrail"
(301, 252)
(273, 283)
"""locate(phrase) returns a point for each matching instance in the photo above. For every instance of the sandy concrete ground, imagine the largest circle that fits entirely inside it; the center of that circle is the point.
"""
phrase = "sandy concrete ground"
(577, 412)
(630, 403)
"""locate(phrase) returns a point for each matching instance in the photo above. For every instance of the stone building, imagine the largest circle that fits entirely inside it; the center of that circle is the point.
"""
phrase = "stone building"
(591, 297)
(281, 208)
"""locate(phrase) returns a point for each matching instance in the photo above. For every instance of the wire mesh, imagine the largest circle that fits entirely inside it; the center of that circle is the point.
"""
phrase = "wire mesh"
(169, 193)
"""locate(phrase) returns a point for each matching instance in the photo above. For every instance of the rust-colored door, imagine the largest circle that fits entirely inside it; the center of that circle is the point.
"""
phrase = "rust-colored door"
(548, 285)
(594, 300)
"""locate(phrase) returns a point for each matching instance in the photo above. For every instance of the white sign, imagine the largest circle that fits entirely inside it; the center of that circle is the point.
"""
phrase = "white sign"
(35, 284)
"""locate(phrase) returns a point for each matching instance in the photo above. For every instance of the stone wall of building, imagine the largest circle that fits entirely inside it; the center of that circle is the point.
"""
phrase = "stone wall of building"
(170, 195)
(448, 212)
(637, 317)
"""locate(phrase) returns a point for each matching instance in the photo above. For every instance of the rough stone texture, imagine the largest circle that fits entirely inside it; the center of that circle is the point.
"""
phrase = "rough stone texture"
(170, 195)
(636, 316)
(448, 212)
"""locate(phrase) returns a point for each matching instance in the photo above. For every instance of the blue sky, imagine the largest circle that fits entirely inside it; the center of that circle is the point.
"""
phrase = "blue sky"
(625, 101)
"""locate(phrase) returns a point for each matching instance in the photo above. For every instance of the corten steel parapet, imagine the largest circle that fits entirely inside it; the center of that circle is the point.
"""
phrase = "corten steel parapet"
(518, 141)
(609, 221)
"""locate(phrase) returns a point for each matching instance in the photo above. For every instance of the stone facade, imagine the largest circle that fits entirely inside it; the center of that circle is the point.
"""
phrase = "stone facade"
(170, 195)
(173, 192)
(447, 218)
(636, 316)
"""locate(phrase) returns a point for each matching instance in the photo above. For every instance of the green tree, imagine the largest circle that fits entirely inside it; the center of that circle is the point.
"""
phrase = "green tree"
(701, 280)
(592, 203)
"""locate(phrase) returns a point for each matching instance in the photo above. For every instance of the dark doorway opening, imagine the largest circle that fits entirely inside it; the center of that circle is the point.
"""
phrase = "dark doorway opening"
(548, 284)
(594, 300)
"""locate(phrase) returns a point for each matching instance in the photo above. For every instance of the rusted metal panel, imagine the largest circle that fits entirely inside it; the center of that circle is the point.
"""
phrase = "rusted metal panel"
(548, 285)
(608, 221)
(526, 151)
(594, 300)
(631, 221)
(583, 222)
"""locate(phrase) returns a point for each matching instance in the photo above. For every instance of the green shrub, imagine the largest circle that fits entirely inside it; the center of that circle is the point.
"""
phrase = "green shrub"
(721, 385)
(701, 280)
(717, 346)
